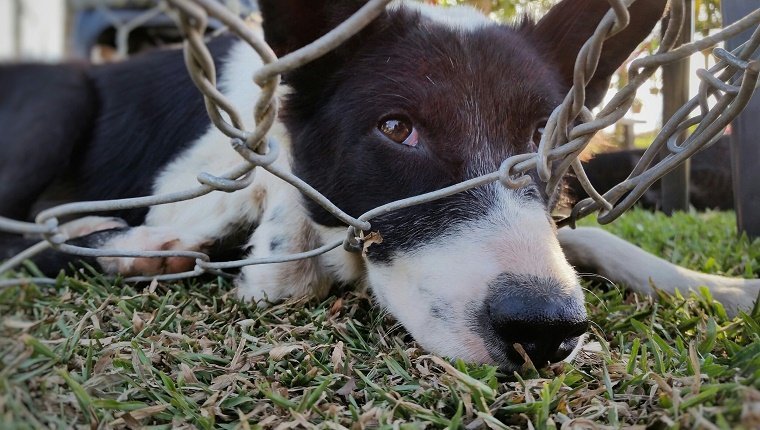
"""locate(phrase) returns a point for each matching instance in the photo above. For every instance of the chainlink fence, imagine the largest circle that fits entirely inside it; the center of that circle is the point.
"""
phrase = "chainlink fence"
(730, 83)
(107, 30)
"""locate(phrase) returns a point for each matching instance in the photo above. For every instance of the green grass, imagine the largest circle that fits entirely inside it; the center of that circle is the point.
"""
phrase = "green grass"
(91, 354)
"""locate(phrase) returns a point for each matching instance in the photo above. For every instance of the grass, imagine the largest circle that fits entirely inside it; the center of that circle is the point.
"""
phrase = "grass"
(87, 353)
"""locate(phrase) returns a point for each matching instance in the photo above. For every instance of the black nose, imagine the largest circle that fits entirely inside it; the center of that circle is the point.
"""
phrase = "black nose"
(539, 314)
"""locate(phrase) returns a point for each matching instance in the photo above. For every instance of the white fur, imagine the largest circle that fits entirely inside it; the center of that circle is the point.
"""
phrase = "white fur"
(344, 266)
(201, 220)
(454, 271)
(516, 236)
(210, 214)
(148, 238)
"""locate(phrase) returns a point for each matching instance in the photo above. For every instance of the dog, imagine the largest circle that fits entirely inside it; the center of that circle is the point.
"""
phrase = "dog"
(710, 184)
(422, 98)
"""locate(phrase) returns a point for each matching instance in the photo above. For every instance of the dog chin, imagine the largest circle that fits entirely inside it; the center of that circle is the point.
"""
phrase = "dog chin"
(468, 347)
(471, 348)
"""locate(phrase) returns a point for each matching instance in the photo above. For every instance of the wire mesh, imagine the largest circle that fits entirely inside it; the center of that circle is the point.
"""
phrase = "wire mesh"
(125, 27)
(568, 131)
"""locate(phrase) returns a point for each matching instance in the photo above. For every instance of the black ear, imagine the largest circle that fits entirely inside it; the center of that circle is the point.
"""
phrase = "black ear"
(566, 27)
(292, 24)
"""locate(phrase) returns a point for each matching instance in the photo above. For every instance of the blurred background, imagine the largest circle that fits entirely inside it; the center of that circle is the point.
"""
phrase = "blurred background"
(32, 29)
(97, 30)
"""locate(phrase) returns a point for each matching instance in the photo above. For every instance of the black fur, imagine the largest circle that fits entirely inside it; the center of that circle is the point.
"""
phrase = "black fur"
(409, 65)
(51, 262)
(476, 98)
(76, 133)
(46, 114)
(710, 185)
(121, 121)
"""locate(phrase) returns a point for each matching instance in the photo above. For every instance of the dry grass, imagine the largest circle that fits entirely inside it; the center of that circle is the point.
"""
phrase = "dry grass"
(88, 353)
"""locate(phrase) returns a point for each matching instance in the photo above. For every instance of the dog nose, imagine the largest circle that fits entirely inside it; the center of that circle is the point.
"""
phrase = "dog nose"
(539, 314)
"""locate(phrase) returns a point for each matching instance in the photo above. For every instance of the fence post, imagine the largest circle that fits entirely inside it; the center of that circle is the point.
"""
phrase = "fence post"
(745, 136)
(675, 93)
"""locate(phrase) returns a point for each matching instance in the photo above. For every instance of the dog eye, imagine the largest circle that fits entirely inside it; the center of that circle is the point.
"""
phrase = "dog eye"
(399, 129)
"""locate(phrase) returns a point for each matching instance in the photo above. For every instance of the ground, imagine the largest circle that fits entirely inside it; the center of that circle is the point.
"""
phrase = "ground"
(93, 354)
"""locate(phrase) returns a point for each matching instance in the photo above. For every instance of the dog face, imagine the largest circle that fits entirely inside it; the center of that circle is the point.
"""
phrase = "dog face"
(424, 98)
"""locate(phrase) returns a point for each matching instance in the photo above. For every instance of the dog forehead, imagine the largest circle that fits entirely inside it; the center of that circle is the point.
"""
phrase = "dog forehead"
(473, 92)
(428, 60)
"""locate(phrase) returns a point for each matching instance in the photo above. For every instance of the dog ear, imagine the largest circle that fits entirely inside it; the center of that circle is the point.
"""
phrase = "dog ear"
(566, 27)
(292, 24)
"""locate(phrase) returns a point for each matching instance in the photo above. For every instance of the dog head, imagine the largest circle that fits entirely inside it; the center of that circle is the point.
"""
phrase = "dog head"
(426, 97)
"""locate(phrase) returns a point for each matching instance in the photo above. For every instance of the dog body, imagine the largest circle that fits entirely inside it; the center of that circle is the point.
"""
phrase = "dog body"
(710, 184)
(421, 99)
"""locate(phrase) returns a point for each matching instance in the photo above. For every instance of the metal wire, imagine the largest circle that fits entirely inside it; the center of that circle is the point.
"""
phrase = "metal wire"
(730, 82)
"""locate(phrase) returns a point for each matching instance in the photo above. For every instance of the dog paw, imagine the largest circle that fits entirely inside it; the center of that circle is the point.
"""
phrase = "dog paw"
(738, 295)
(149, 239)
(260, 285)
(272, 283)
(90, 224)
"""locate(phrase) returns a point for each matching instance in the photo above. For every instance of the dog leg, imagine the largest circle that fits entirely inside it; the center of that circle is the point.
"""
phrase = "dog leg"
(87, 231)
(46, 112)
(193, 225)
(622, 262)
(286, 229)
(146, 238)
(90, 224)
(110, 234)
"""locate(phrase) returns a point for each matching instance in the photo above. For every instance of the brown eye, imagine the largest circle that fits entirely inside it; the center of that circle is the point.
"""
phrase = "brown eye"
(399, 130)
